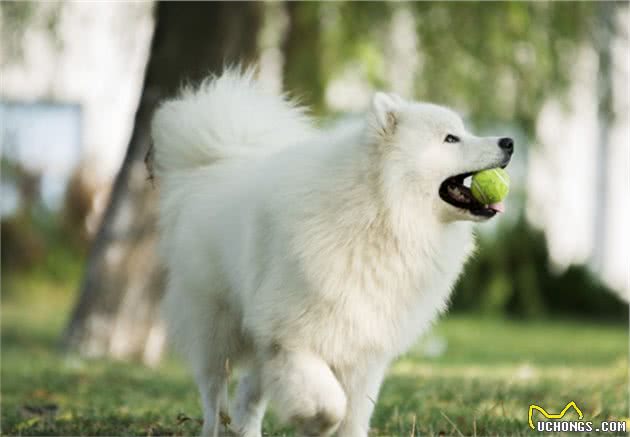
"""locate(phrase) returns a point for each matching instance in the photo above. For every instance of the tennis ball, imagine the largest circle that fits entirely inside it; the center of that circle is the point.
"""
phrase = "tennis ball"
(490, 186)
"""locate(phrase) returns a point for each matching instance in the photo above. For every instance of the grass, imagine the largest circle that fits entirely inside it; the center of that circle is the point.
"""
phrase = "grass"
(470, 376)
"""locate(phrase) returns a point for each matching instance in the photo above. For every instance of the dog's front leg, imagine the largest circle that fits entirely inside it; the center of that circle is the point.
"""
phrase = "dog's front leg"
(304, 391)
(362, 384)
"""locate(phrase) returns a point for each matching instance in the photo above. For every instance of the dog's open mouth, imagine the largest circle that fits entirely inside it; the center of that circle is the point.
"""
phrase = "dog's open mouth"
(454, 191)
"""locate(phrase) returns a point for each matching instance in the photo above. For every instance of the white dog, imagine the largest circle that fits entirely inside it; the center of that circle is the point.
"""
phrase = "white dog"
(308, 260)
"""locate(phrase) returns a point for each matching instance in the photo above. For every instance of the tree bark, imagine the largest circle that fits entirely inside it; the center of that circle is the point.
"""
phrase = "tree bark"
(302, 48)
(117, 309)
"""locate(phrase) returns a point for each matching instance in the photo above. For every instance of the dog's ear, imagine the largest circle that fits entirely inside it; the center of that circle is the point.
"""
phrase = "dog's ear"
(386, 109)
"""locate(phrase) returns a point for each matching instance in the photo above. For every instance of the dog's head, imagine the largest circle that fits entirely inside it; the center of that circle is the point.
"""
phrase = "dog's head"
(429, 147)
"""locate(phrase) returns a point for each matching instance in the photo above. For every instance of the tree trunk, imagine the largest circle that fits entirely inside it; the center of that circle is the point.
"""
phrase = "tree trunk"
(117, 309)
(302, 47)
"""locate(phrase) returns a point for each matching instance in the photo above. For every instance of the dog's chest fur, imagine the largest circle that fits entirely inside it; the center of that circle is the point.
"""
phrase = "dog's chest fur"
(373, 293)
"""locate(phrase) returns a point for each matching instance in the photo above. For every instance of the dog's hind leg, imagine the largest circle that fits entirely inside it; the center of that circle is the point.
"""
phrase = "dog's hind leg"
(213, 391)
(216, 349)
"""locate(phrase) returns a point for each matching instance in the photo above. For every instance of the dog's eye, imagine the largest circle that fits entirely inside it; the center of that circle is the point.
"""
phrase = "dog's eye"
(451, 139)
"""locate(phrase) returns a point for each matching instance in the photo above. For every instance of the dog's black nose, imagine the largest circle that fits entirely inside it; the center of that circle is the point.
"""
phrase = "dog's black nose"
(507, 144)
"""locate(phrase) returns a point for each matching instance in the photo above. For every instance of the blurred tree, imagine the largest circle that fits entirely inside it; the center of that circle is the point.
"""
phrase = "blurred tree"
(322, 38)
(500, 61)
(116, 312)
(302, 44)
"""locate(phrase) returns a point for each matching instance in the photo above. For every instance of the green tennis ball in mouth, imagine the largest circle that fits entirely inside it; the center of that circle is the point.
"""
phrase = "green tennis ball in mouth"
(490, 186)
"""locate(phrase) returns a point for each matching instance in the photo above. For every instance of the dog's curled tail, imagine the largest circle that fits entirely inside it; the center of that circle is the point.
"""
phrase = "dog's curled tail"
(227, 116)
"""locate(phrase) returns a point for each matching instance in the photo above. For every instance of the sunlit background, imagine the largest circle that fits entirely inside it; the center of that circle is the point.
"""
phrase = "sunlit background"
(555, 76)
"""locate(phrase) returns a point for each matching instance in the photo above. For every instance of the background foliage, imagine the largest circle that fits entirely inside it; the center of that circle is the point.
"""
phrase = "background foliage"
(495, 62)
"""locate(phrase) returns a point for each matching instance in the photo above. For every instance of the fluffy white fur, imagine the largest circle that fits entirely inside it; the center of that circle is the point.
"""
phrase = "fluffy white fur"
(308, 259)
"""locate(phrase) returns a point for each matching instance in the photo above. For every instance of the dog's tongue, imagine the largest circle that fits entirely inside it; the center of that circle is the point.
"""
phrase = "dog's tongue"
(498, 207)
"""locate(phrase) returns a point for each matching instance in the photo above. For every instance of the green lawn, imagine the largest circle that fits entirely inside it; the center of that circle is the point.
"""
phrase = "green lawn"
(482, 383)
